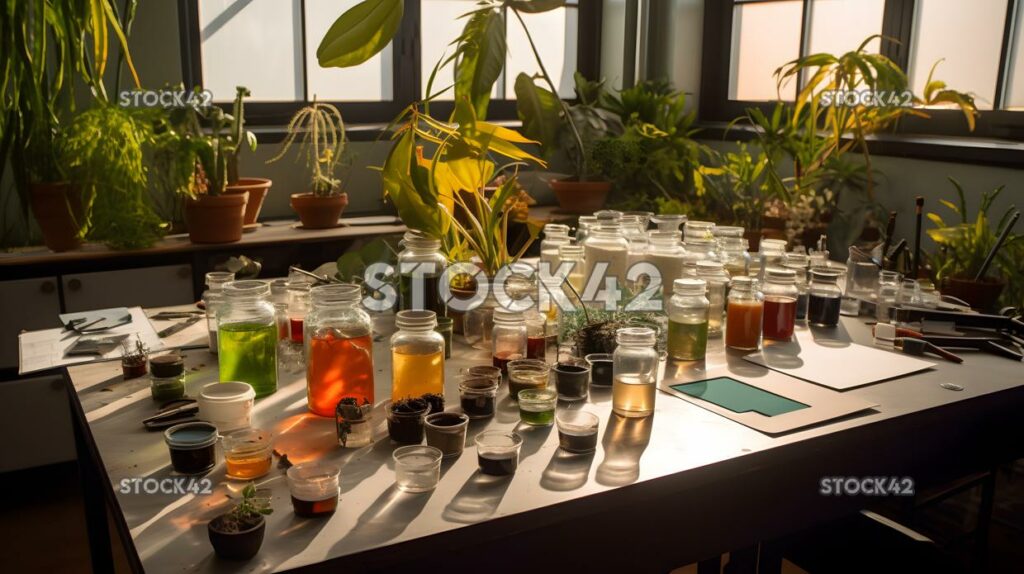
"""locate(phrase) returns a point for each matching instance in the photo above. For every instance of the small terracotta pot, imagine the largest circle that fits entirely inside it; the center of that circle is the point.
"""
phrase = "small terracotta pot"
(580, 196)
(319, 212)
(215, 218)
(133, 370)
(236, 545)
(258, 188)
(57, 208)
(981, 295)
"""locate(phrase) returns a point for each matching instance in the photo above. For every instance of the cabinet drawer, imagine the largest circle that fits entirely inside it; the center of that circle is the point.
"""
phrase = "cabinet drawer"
(145, 287)
(27, 304)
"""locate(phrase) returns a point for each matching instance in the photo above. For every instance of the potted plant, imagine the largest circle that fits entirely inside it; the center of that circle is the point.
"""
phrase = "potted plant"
(133, 359)
(323, 134)
(238, 534)
(258, 187)
(211, 214)
(970, 263)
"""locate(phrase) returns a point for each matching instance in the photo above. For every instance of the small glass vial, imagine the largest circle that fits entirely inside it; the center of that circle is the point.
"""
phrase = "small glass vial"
(509, 338)
(417, 356)
(555, 235)
(688, 320)
(339, 349)
(717, 279)
(798, 263)
(247, 336)
(291, 312)
(744, 315)
(167, 377)
(212, 298)
(666, 252)
(770, 255)
(733, 252)
(888, 294)
(780, 294)
(634, 372)
(823, 298)
(420, 267)
(585, 224)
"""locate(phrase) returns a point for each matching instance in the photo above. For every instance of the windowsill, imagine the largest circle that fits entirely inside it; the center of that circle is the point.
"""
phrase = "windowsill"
(354, 132)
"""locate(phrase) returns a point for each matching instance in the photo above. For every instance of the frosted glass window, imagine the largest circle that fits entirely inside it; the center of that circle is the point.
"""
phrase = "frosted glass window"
(554, 32)
(839, 26)
(967, 36)
(252, 43)
(372, 80)
(765, 36)
(1015, 78)
(613, 42)
(687, 35)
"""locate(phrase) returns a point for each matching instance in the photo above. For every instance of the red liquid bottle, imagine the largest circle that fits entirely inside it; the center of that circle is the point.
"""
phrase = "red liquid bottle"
(338, 367)
(780, 295)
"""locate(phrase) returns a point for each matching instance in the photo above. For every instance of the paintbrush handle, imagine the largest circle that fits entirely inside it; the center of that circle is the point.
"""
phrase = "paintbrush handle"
(999, 243)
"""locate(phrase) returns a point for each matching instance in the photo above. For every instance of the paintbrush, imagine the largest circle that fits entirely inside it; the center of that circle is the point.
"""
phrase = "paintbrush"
(999, 243)
(918, 212)
(890, 229)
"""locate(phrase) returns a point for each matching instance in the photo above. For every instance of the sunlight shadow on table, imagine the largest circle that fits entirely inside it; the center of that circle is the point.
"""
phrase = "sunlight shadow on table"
(625, 440)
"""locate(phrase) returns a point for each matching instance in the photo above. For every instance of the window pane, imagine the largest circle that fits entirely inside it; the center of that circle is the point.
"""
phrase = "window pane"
(765, 35)
(252, 43)
(1015, 79)
(368, 82)
(554, 33)
(839, 26)
(613, 42)
(440, 25)
(967, 36)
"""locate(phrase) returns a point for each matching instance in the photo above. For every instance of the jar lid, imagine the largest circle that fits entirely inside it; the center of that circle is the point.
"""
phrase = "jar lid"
(557, 229)
(710, 266)
(214, 279)
(744, 282)
(420, 240)
(335, 293)
(248, 288)
(226, 392)
(191, 435)
(416, 319)
(731, 231)
(635, 336)
(503, 315)
(167, 365)
(689, 286)
(780, 275)
(824, 274)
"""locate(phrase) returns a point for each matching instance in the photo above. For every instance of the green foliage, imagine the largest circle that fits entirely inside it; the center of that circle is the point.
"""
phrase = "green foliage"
(103, 151)
(218, 150)
(251, 507)
(352, 265)
(480, 54)
(323, 136)
(360, 33)
(964, 244)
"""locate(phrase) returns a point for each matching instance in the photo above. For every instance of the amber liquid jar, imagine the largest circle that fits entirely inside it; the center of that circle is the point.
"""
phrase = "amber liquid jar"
(314, 488)
(745, 315)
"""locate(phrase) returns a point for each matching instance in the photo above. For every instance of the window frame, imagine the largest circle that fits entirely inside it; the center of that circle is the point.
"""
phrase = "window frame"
(897, 23)
(368, 118)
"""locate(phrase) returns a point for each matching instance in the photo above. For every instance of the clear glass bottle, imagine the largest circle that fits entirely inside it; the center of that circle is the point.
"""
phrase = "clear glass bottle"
(744, 314)
(717, 279)
(634, 372)
(770, 254)
(688, 320)
(291, 315)
(666, 253)
(733, 250)
(823, 298)
(888, 294)
(247, 336)
(606, 244)
(574, 254)
(420, 266)
(690, 261)
(477, 323)
(668, 221)
(509, 338)
(701, 248)
(339, 349)
(780, 295)
(634, 230)
(583, 227)
(697, 230)
(417, 356)
(212, 297)
(555, 235)
(798, 263)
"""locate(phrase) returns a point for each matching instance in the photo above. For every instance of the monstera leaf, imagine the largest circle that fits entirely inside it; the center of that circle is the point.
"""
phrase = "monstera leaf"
(360, 33)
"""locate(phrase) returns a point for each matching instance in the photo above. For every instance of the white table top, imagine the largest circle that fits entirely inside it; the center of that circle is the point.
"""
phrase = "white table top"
(169, 531)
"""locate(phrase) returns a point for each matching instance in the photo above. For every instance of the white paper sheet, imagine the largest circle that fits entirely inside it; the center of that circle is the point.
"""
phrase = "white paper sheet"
(41, 350)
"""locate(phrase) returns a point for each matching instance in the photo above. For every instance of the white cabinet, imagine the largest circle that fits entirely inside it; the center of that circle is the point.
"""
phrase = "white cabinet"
(27, 305)
(145, 287)
(38, 409)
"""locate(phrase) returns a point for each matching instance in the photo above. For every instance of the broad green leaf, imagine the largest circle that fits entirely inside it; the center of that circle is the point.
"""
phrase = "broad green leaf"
(482, 51)
(539, 111)
(360, 33)
(534, 6)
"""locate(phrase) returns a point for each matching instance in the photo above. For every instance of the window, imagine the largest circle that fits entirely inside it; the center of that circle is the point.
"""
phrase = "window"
(979, 43)
(270, 47)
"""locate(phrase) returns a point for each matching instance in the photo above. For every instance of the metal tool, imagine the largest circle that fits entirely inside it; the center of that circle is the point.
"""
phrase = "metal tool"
(912, 346)
(179, 326)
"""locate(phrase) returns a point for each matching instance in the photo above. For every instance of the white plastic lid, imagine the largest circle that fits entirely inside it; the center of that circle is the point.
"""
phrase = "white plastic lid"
(227, 392)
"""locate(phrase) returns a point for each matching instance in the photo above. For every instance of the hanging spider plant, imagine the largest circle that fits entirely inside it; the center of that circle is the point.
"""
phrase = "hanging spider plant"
(322, 132)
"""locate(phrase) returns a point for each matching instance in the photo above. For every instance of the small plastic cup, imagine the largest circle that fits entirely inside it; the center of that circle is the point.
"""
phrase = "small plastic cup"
(447, 432)
(489, 371)
(314, 488)
(537, 407)
(498, 452)
(572, 380)
(600, 369)
(405, 424)
(577, 431)
(526, 374)
(248, 453)
(417, 468)
(477, 396)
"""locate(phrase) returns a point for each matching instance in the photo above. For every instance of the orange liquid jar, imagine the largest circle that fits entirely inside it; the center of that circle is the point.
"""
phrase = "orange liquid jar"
(339, 349)
(745, 315)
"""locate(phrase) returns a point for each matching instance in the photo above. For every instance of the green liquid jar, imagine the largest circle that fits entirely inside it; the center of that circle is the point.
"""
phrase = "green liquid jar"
(688, 320)
(687, 341)
(248, 353)
(537, 407)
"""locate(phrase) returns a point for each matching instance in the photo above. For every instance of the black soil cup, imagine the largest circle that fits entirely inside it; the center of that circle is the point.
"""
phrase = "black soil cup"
(236, 545)
(572, 380)
(405, 420)
(600, 369)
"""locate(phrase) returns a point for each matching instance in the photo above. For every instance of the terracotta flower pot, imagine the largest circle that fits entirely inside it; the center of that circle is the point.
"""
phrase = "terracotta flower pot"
(215, 218)
(258, 188)
(236, 545)
(319, 212)
(580, 196)
(57, 208)
(981, 295)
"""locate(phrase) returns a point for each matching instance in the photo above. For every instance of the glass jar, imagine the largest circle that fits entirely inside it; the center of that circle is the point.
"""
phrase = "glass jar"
(690, 261)
(744, 314)
(292, 309)
(574, 255)
(508, 338)
(780, 294)
(353, 423)
(701, 248)
(420, 267)
(583, 227)
(798, 263)
(697, 230)
(823, 298)
(339, 349)
(478, 322)
(314, 488)
(606, 244)
(555, 235)
(417, 356)
(247, 336)
(167, 377)
(888, 294)
(717, 279)
(688, 320)
(248, 453)
(668, 221)
(212, 298)
(634, 372)
(733, 252)
(536, 334)
(666, 253)
(770, 254)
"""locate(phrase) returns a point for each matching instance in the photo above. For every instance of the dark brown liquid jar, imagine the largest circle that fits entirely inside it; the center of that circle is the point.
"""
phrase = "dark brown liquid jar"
(192, 446)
